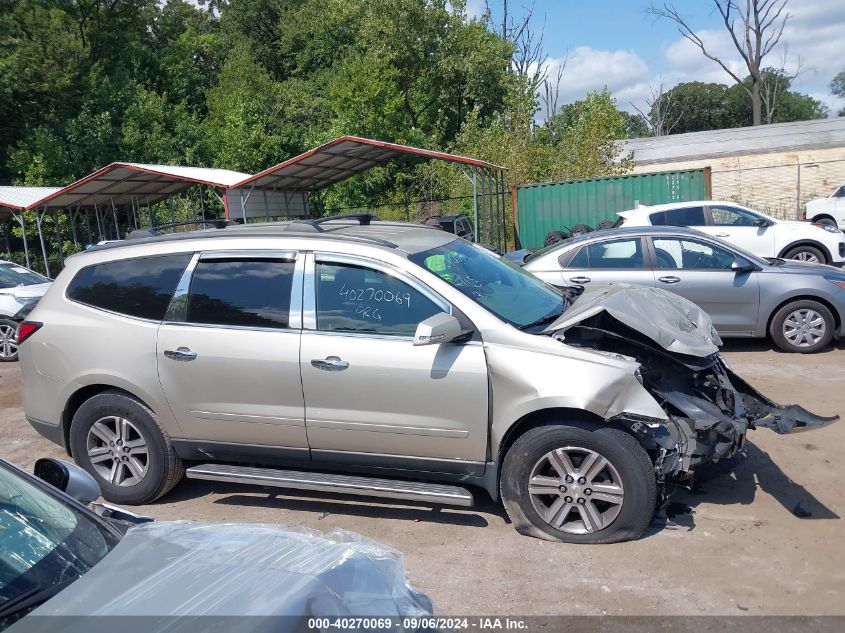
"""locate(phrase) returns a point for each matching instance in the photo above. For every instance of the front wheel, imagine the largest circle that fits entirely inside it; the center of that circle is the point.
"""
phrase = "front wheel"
(802, 326)
(119, 442)
(8, 341)
(578, 483)
(809, 254)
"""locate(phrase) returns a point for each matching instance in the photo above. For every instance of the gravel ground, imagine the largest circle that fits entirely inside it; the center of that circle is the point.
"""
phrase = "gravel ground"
(761, 534)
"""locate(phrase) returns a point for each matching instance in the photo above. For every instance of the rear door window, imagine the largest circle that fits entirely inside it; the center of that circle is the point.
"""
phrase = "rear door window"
(688, 216)
(625, 253)
(241, 292)
(139, 287)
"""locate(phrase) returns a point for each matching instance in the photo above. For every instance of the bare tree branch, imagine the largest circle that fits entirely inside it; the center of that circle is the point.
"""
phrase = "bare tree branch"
(754, 31)
(663, 114)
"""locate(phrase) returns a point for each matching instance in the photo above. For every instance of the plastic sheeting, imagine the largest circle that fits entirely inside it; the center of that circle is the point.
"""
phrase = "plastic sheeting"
(674, 323)
(188, 569)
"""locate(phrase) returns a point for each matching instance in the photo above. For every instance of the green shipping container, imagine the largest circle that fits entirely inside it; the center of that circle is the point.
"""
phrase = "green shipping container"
(559, 205)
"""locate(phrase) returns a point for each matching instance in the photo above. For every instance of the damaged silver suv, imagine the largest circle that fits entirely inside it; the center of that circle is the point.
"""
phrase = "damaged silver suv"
(356, 356)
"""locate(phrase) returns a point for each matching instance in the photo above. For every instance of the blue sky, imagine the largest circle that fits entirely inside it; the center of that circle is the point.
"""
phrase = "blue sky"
(615, 43)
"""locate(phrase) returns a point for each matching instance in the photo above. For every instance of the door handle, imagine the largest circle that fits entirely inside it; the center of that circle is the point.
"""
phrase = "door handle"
(183, 354)
(723, 234)
(669, 280)
(580, 280)
(331, 363)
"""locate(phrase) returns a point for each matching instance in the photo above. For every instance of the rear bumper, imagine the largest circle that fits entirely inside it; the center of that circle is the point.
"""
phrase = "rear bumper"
(52, 432)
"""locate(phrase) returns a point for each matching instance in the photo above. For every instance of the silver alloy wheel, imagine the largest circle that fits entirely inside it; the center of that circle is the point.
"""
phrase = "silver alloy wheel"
(576, 490)
(8, 341)
(804, 327)
(806, 256)
(118, 451)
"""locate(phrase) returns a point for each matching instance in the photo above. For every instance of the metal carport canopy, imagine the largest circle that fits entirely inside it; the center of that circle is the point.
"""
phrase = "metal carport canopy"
(22, 198)
(340, 159)
(118, 184)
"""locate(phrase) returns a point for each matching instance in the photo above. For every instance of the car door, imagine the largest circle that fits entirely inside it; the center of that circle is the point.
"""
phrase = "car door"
(617, 260)
(372, 397)
(228, 353)
(701, 272)
(742, 228)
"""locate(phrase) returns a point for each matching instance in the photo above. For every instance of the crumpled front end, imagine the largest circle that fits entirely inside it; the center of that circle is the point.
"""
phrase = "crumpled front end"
(709, 407)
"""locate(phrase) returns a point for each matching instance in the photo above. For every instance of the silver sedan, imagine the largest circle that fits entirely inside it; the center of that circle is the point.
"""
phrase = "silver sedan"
(799, 305)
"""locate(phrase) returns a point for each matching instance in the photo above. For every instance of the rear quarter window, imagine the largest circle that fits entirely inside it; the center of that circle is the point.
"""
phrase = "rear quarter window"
(135, 287)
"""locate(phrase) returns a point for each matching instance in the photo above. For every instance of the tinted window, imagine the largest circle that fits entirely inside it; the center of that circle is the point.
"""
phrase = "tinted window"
(690, 216)
(731, 216)
(12, 276)
(616, 254)
(243, 292)
(357, 299)
(690, 255)
(581, 260)
(135, 287)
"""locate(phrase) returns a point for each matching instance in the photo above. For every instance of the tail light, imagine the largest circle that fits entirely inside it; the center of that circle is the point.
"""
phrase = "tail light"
(27, 329)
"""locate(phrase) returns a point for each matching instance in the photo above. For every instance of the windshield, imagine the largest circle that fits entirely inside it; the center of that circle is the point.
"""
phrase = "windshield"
(12, 276)
(44, 542)
(506, 290)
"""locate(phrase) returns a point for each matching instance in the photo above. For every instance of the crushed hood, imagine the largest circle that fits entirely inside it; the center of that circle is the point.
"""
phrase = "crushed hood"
(674, 323)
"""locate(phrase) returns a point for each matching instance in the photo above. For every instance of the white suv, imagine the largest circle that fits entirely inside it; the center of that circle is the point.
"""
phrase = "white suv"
(20, 290)
(829, 210)
(762, 235)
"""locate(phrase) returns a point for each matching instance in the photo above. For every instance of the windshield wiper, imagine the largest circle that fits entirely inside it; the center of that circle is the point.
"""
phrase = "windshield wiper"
(775, 261)
(32, 598)
(549, 318)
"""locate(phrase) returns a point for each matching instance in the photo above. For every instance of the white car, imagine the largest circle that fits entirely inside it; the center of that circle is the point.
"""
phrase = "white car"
(20, 290)
(829, 210)
(754, 231)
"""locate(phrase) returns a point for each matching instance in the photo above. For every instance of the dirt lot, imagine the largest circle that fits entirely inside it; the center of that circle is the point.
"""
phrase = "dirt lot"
(764, 535)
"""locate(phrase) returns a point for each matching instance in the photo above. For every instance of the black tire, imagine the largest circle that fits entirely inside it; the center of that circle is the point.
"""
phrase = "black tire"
(624, 453)
(580, 229)
(164, 469)
(804, 253)
(779, 335)
(553, 237)
(604, 224)
(8, 341)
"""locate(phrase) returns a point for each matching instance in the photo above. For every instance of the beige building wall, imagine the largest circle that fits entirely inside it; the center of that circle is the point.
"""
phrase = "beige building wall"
(777, 183)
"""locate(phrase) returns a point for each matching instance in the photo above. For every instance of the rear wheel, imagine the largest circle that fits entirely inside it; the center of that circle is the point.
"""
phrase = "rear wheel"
(809, 254)
(8, 341)
(802, 326)
(578, 483)
(119, 442)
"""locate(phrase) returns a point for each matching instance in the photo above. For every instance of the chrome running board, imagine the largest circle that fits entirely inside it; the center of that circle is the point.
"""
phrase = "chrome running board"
(342, 484)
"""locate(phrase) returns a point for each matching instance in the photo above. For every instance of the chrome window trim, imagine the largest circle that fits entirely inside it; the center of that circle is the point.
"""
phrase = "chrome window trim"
(245, 253)
(218, 326)
(296, 289)
(309, 299)
(177, 309)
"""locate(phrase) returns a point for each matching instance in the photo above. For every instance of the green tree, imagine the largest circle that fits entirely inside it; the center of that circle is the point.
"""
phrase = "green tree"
(837, 87)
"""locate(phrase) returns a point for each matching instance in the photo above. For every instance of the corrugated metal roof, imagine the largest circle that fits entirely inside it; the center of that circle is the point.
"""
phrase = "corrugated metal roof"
(118, 183)
(777, 137)
(340, 159)
(22, 197)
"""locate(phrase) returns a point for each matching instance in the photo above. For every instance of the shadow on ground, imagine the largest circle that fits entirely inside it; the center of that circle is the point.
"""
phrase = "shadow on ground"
(766, 345)
(737, 481)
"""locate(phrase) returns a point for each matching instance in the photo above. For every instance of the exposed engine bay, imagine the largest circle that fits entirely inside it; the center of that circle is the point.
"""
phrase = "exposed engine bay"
(710, 408)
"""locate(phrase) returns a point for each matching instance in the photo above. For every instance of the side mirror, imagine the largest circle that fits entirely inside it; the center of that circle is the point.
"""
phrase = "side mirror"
(440, 328)
(69, 478)
(742, 265)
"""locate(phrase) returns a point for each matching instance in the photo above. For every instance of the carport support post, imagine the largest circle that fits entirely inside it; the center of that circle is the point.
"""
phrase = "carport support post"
(114, 215)
(202, 203)
(59, 240)
(475, 202)
(73, 215)
(6, 240)
(20, 220)
(39, 216)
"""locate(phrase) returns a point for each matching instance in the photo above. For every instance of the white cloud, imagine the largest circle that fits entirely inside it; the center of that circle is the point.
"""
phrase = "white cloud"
(588, 69)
